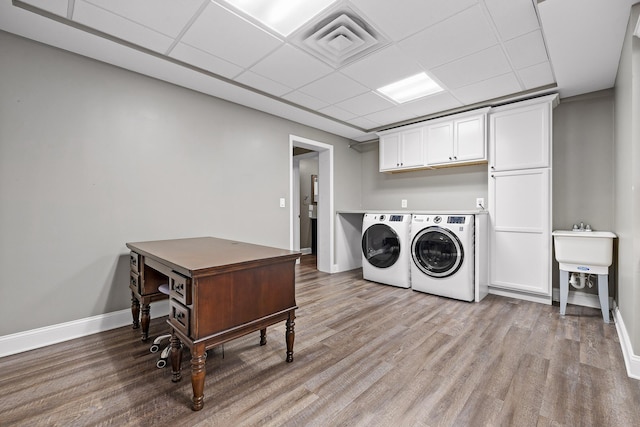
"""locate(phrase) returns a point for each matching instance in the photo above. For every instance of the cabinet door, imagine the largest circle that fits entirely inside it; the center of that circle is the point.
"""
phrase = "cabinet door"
(412, 148)
(470, 141)
(520, 137)
(389, 150)
(520, 230)
(439, 143)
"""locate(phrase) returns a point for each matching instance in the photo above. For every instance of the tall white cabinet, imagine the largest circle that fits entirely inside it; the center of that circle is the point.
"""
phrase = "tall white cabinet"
(520, 173)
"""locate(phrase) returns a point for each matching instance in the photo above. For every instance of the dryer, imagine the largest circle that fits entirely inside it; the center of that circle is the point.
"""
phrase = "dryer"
(385, 248)
(442, 255)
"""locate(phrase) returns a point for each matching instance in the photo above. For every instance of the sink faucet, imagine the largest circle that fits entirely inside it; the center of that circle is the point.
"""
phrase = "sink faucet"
(582, 227)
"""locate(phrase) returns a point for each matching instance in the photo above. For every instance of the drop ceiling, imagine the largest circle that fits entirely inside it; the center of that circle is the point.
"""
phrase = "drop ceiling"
(325, 74)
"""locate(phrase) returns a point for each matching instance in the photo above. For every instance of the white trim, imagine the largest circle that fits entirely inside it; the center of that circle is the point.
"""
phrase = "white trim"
(541, 299)
(305, 251)
(581, 298)
(326, 224)
(631, 360)
(48, 335)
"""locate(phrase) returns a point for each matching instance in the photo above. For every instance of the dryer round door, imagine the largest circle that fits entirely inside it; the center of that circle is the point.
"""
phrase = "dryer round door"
(437, 252)
(380, 245)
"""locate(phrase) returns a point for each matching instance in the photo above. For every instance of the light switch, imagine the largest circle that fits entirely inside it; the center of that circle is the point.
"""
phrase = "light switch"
(282, 203)
(404, 203)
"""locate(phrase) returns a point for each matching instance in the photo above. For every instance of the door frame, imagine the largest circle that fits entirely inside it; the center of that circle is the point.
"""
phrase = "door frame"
(325, 245)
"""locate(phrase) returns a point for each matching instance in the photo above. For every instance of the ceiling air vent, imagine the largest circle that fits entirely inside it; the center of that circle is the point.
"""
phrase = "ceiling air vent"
(339, 39)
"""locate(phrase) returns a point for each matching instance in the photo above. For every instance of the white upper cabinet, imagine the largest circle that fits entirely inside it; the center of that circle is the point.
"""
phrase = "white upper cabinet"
(456, 140)
(520, 135)
(402, 150)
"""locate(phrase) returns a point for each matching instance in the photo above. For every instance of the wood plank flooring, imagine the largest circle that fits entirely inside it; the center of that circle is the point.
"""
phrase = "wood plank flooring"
(365, 355)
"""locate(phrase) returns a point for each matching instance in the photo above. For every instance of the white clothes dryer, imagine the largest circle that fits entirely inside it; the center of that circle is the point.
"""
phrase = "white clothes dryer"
(442, 255)
(385, 248)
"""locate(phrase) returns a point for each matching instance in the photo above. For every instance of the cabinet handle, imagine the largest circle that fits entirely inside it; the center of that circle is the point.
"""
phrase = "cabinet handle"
(493, 176)
(450, 158)
(455, 158)
(493, 167)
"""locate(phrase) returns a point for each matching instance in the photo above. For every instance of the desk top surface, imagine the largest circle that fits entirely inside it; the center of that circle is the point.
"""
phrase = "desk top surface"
(204, 253)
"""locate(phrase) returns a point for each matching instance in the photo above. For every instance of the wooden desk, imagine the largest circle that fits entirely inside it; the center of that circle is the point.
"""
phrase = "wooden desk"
(220, 290)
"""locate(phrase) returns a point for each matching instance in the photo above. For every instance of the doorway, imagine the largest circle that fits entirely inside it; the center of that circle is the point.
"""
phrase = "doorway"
(324, 211)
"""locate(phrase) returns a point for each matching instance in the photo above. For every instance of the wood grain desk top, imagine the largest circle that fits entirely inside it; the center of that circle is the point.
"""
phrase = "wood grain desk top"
(194, 256)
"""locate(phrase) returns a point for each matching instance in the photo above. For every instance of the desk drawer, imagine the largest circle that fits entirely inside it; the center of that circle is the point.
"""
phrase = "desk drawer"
(179, 316)
(134, 262)
(134, 281)
(180, 288)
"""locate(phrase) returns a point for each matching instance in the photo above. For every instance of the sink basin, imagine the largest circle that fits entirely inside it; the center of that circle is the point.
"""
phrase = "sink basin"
(583, 250)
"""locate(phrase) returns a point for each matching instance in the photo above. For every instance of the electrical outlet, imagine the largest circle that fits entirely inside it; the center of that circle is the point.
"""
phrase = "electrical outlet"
(404, 203)
(282, 203)
(480, 203)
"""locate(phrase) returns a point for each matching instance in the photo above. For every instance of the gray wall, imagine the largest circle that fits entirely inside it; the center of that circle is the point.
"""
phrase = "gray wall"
(627, 181)
(439, 189)
(583, 158)
(93, 156)
(308, 167)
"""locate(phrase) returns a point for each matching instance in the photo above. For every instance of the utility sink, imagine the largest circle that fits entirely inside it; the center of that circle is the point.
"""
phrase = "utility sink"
(584, 248)
(584, 252)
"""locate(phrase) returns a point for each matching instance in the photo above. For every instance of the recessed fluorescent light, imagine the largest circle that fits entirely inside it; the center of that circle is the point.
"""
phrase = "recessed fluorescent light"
(411, 88)
(283, 16)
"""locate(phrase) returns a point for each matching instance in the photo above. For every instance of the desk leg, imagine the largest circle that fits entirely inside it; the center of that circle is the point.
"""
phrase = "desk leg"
(198, 372)
(135, 311)
(263, 336)
(290, 335)
(176, 357)
(145, 320)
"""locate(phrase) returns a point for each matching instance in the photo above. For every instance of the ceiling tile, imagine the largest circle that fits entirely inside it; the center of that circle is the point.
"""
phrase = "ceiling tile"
(115, 25)
(337, 113)
(58, 7)
(536, 75)
(495, 87)
(366, 103)
(392, 115)
(262, 83)
(458, 36)
(227, 36)
(334, 88)
(383, 67)
(191, 55)
(165, 16)
(292, 67)
(442, 101)
(305, 100)
(513, 17)
(413, 15)
(527, 50)
(363, 123)
(474, 68)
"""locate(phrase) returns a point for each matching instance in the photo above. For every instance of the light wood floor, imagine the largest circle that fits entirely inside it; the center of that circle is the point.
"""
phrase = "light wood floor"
(365, 355)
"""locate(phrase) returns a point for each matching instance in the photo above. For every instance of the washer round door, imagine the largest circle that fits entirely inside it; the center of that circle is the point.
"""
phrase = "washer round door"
(380, 245)
(437, 252)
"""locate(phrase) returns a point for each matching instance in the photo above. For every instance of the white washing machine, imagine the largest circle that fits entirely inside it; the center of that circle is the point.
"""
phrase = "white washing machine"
(442, 255)
(385, 248)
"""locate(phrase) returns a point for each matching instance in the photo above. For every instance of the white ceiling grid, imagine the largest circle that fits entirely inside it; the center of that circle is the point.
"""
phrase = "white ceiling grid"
(478, 50)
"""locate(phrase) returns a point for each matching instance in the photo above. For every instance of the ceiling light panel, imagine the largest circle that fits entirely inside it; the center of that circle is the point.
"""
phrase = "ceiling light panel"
(414, 87)
(282, 16)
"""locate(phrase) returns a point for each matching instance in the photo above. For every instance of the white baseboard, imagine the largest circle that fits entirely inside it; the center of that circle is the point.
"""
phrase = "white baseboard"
(41, 337)
(581, 298)
(631, 360)
(541, 299)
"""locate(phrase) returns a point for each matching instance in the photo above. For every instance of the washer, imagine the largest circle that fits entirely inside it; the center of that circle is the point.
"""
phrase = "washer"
(385, 248)
(442, 255)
